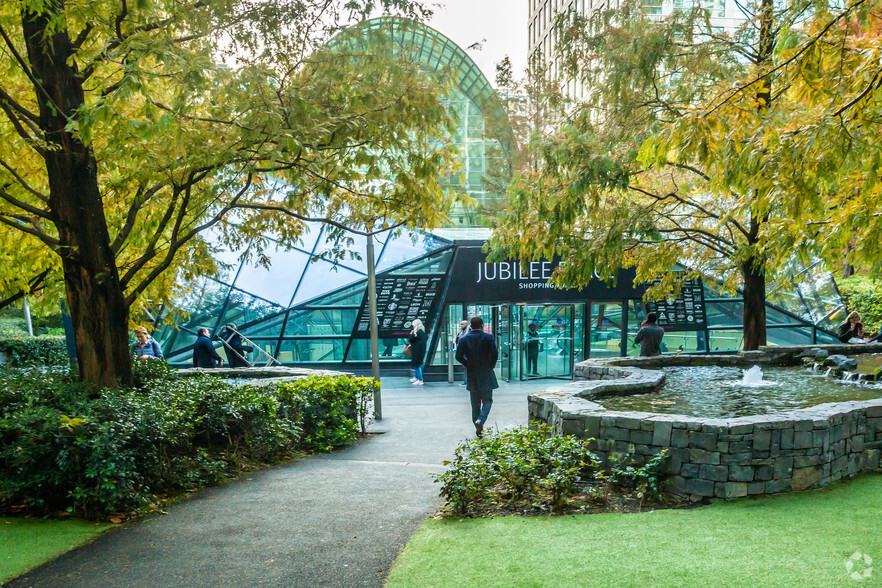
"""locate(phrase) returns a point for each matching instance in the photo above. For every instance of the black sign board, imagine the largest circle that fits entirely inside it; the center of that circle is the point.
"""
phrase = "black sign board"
(400, 299)
(476, 280)
(685, 313)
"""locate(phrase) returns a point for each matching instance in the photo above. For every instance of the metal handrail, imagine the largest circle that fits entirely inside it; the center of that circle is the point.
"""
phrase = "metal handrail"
(270, 359)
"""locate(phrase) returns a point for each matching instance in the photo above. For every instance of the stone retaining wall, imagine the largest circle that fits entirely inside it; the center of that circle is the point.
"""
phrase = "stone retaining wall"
(722, 458)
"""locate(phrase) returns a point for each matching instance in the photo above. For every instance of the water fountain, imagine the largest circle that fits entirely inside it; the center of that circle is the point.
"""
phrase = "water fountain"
(753, 378)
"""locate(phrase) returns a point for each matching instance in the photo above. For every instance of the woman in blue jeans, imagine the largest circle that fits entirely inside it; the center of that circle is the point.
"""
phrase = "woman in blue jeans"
(417, 342)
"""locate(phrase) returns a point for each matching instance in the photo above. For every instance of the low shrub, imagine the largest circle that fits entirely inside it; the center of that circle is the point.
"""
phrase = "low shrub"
(535, 467)
(643, 479)
(514, 464)
(26, 351)
(64, 446)
(331, 410)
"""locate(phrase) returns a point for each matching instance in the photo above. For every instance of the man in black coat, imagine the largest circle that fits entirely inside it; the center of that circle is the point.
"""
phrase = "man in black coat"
(204, 355)
(477, 351)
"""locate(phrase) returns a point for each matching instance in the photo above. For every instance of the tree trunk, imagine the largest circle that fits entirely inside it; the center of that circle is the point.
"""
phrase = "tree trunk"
(754, 278)
(94, 296)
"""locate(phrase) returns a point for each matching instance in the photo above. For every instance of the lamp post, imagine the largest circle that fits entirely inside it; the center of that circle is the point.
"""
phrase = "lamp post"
(375, 341)
(27, 314)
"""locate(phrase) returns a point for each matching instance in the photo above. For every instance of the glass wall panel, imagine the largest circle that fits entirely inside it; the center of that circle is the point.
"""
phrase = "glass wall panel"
(836, 318)
(277, 282)
(355, 251)
(271, 327)
(433, 265)
(636, 315)
(726, 340)
(789, 336)
(606, 329)
(203, 304)
(312, 350)
(673, 341)
(255, 357)
(350, 296)
(175, 341)
(320, 322)
(731, 314)
(228, 261)
(789, 299)
(402, 249)
(321, 277)
(243, 308)
(390, 350)
(826, 338)
(683, 342)
(450, 328)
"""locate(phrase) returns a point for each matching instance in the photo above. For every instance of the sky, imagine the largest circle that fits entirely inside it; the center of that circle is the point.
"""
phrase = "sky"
(503, 23)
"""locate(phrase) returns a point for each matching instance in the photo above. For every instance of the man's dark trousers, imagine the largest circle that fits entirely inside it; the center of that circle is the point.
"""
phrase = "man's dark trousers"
(477, 351)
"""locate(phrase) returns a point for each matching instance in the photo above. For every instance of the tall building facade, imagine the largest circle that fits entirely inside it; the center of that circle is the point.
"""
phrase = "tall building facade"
(725, 16)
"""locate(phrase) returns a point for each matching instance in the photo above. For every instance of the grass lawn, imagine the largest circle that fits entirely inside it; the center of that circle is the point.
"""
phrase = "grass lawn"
(27, 543)
(802, 539)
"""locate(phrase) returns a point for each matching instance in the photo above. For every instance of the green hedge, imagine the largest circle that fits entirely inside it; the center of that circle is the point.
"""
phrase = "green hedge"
(27, 351)
(66, 447)
(864, 295)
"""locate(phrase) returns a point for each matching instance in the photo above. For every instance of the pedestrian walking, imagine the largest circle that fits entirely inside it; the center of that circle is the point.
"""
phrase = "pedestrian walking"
(417, 342)
(477, 351)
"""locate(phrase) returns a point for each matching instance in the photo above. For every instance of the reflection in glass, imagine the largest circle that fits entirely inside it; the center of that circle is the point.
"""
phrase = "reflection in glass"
(321, 277)
(403, 248)
(606, 329)
(390, 350)
(312, 350)
(243, 308)
(432, 265)
(203, 304)
(277, 282)
(789, 336)
(726, 340)
(320, 322)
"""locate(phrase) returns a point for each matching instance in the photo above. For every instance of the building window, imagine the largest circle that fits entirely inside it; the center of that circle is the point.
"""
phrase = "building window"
(652, 6)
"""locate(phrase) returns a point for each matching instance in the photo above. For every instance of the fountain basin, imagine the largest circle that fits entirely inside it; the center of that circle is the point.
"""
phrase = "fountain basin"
(787, 450)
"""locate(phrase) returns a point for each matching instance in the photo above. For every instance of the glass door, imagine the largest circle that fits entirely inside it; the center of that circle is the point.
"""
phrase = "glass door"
(606, 329)
(501, 330)
(546, 337)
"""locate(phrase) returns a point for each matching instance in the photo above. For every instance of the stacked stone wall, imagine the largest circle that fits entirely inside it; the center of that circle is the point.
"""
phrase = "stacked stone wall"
(717, 458)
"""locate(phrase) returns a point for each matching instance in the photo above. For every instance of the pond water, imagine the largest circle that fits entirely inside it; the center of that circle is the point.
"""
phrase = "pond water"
(868, 364)
(721, 392)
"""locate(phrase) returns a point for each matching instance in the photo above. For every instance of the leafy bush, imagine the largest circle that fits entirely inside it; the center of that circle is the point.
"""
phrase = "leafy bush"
(644, 480)
(864, 295)
(516, 463)
(26, 351)
(66, 446)
(332, 410)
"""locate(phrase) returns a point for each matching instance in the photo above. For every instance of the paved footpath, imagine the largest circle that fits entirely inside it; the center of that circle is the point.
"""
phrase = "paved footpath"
(330, 520)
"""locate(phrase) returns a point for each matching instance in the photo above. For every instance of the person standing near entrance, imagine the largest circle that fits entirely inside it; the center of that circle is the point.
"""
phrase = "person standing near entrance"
(463, 330)
(477, 351)
(532, 345)
(650, 336)
(417, 342)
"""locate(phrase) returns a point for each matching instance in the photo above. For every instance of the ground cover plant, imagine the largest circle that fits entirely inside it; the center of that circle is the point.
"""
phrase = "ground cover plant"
(65, 446)
(798, 539)
(864, 295)
(532, 471)
(26, 543)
